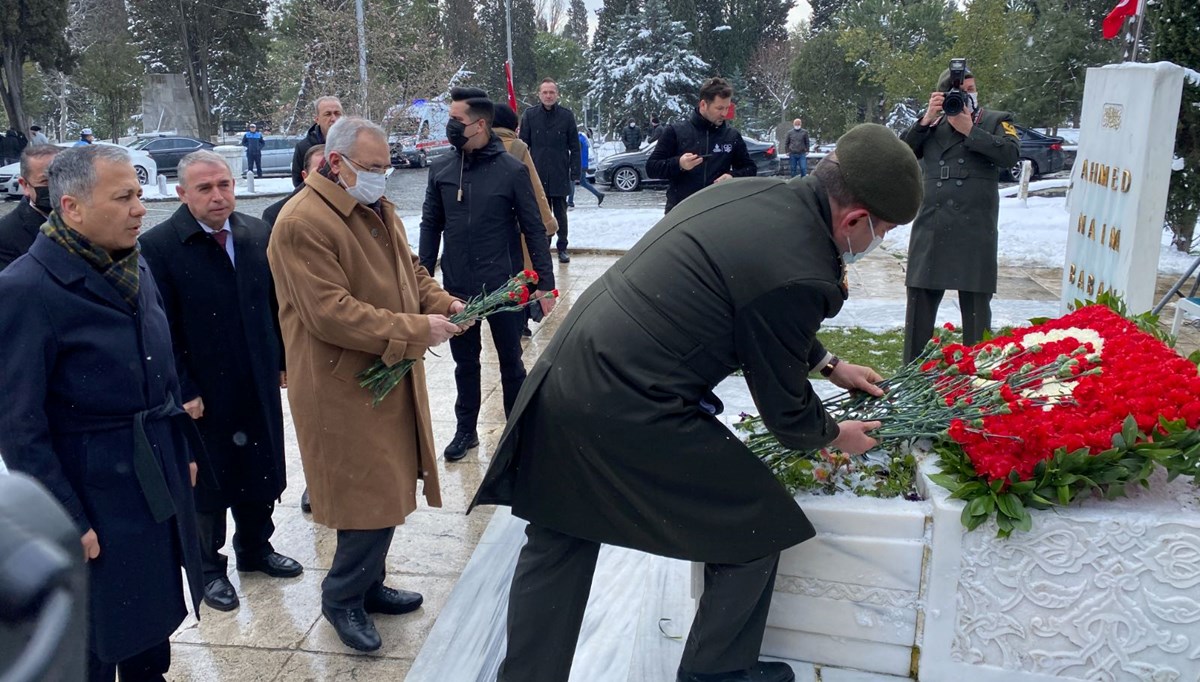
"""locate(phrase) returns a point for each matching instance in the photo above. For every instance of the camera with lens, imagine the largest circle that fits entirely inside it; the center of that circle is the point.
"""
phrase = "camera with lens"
(956, 100)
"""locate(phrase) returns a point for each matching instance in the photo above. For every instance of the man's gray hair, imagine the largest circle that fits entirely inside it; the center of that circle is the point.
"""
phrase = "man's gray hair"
(201, 156)
(344, 134)
(40, 151)
(326, 98)
(73, 172)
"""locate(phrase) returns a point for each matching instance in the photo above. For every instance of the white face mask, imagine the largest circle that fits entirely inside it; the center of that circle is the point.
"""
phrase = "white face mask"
(850, 257)
(368, 186)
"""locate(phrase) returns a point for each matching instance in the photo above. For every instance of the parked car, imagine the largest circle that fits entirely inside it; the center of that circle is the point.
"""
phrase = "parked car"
(277, 153)
(1044, 151)
(143, 163)
(405, 153)
(627, 172)
(169, 150)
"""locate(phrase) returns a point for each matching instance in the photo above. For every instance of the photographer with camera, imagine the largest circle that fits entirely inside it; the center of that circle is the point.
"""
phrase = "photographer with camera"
(962, 149)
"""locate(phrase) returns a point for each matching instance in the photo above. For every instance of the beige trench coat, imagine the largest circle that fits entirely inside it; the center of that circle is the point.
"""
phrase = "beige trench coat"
(513, 145)
(351, 290)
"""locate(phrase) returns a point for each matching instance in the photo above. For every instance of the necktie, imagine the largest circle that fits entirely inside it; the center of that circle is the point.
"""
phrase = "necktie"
(222, 236)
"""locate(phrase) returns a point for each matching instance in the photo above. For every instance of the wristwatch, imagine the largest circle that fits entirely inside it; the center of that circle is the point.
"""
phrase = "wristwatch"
(827, 370)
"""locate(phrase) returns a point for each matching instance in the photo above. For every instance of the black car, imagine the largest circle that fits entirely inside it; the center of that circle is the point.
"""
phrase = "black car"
(167, 151)
(1045, 152)
(627, 172)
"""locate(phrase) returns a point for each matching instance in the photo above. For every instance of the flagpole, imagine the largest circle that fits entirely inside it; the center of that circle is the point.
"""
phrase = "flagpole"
(1137, 33)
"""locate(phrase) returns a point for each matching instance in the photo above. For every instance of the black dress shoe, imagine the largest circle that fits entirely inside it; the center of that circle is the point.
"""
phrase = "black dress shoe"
(275, 565)
(761, 672)
(600, 199)
(526, 331)
(354, 627)
(305, 504)
(457, 449)
(564, 257)
(220, 595)
(392, 602)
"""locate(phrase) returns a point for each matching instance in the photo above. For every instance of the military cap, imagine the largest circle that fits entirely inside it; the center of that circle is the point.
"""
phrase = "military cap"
(944, 79)
(881, 172)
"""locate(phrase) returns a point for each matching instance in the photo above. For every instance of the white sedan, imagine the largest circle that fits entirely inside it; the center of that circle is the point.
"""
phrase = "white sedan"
(147, 169)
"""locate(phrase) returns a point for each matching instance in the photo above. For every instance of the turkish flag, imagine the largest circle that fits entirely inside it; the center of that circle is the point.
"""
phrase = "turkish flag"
(512, 96)
(1116, 18)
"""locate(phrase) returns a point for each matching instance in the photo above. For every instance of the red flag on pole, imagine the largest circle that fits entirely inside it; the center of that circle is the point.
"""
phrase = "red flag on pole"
(1116, 18)
(512, 96)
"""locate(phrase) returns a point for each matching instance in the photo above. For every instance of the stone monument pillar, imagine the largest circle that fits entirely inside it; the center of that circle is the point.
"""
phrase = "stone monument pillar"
(235, 156)
(1119, 182)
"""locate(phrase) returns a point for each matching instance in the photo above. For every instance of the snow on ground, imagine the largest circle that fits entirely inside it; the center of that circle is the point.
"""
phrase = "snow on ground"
(1030, 236)
(262, 187)
(1036, 236)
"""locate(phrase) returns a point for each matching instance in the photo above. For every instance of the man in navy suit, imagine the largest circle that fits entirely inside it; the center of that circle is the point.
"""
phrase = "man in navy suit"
(211, 266)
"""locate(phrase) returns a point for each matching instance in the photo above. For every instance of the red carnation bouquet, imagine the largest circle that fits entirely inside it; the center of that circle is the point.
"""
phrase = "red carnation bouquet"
(1088, 402)
(380, 379)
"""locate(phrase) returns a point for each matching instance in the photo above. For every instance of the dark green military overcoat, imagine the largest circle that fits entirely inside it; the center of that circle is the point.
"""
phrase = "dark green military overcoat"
(954, 238)
(607, 441)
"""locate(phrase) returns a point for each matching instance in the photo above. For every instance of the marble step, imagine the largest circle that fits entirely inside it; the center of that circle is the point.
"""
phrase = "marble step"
(638, 614)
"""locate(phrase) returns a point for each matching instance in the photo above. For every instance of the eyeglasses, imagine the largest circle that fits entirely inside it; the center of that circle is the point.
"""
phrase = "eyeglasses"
(359, 166)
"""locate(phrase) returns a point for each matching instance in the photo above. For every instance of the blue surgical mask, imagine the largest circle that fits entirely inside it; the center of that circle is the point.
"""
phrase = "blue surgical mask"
(850, 257)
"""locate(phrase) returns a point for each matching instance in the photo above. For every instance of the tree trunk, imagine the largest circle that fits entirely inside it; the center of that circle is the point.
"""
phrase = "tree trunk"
(10, 88)
(1184, 230)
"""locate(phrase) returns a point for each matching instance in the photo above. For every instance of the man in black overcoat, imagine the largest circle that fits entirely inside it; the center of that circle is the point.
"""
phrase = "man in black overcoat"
(211, 266)
(19, 228)
(553, 138)
(609, 441)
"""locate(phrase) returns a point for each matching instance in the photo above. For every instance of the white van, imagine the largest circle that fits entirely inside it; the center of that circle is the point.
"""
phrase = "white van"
(420, 133)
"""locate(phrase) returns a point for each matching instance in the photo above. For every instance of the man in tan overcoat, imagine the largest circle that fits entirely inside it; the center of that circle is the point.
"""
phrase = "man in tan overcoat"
(351, 291)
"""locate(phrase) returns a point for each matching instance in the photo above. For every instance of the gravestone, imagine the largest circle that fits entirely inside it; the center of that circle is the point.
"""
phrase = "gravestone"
(1119, 182)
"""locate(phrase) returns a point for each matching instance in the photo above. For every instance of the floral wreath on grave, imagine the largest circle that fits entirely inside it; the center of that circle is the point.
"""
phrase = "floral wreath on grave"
(1088, 403)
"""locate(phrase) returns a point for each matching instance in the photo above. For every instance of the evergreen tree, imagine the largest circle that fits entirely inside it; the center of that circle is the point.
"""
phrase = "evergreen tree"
(564, 60)
(30, 31)
(461, 32)
(220, 45)
(1177, 40)
(824, 12)
(899, 48)
(1051, 58)
(489, 71)
(828, 91)
(646, 67)
(576, 29)
(609, 15)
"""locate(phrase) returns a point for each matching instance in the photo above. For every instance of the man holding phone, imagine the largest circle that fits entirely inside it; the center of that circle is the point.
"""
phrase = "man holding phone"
(703, 150)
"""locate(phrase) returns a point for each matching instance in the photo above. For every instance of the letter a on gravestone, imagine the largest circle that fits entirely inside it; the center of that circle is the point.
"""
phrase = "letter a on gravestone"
(1119, 181)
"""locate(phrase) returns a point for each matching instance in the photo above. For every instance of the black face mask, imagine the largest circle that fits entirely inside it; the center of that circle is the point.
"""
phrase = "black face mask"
(455, 133)
(42, 199)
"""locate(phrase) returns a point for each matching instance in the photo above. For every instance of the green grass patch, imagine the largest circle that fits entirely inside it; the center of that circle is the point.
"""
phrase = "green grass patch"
(883, 351)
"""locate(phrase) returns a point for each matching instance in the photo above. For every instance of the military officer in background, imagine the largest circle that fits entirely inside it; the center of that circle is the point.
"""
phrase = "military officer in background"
(953, 243)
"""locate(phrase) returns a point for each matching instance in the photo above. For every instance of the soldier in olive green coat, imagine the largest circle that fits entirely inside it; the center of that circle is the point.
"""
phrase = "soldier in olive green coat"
(610, 441)
(954, 240)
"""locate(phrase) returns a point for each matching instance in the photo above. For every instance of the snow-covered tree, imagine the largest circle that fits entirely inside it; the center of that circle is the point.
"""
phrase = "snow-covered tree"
(646, 67)
(1176, 40)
